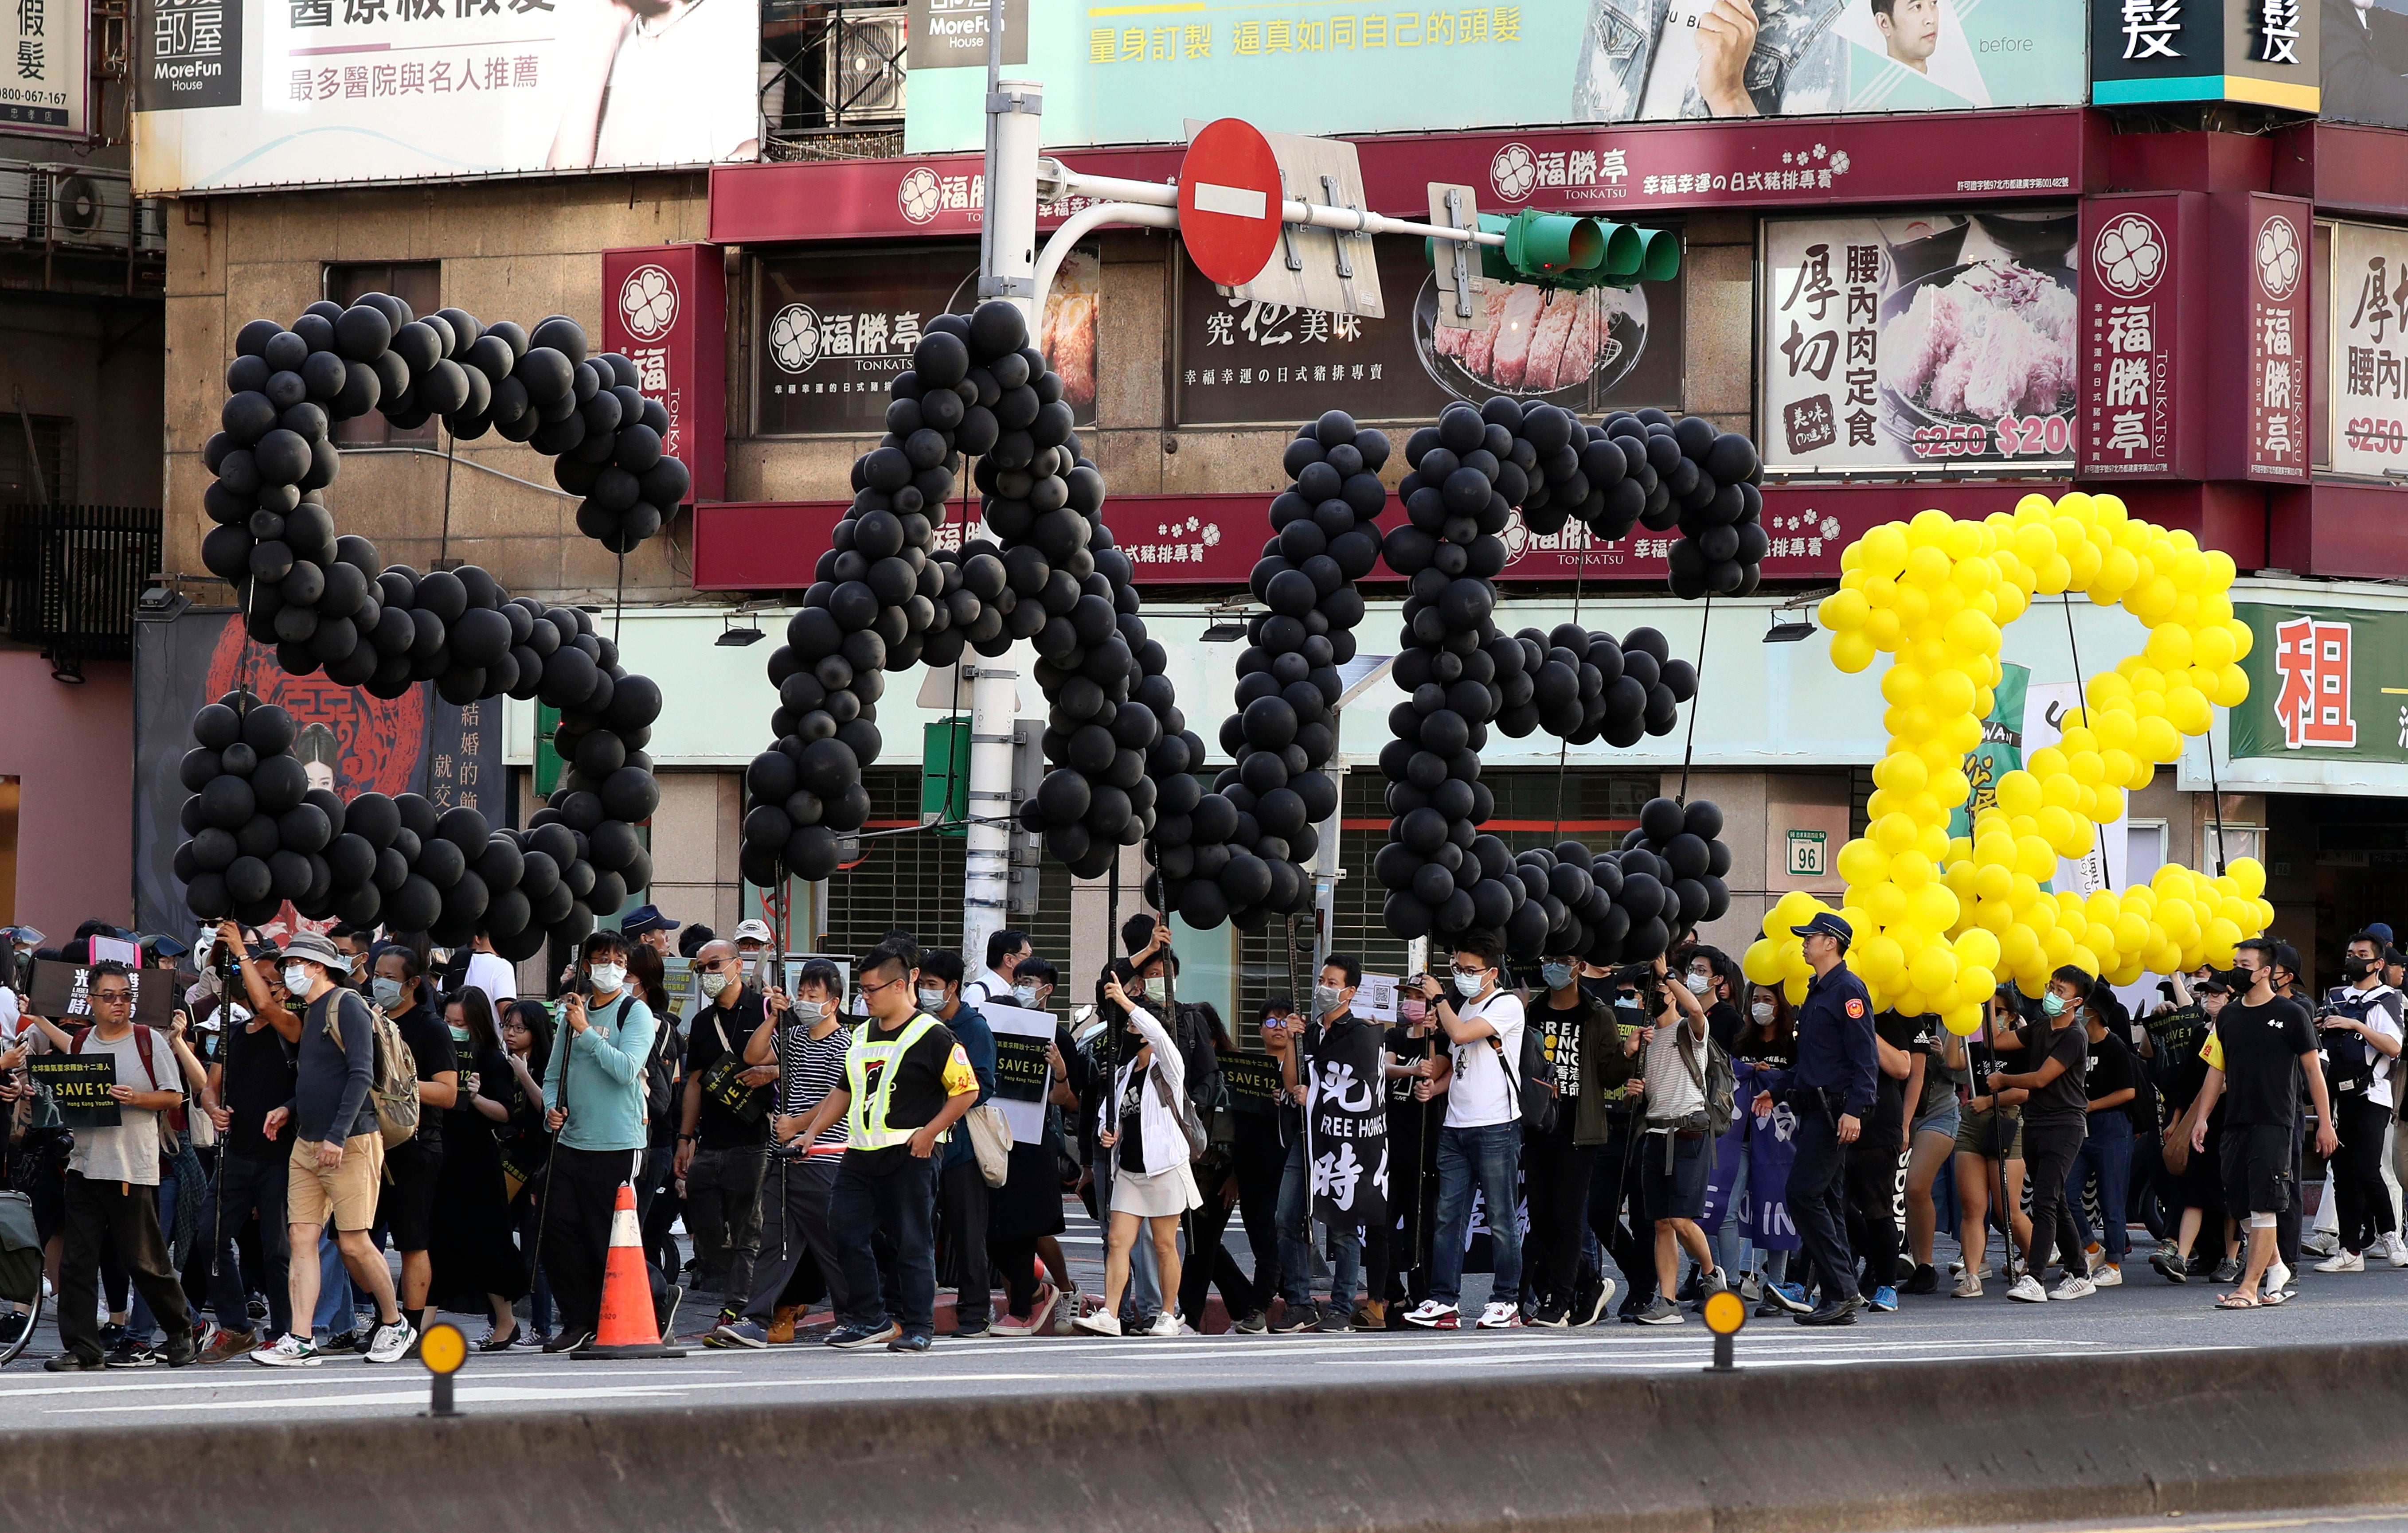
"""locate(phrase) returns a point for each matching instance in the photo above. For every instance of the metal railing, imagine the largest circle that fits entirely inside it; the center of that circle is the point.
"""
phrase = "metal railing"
(78, 207)
(74, 575)
(832, 78)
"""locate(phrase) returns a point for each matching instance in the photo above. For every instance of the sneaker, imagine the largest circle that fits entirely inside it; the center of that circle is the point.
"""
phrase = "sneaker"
(226, 1346)
(184, 1348)
(531, 1342)
(2074, 1287)
(1165, 1324)
(2106, 1275)
(1370, 1315)
(1926, 1279)
(914, 1342)
(2170, 1265)
(292, 1350)
(1500, 1317)
(1066, 1313)
(2228, 1270)
(2344, 1261)
(1883, 1302)
(1552, 1317)
(1012, 1328)
(972, 1327)
(1588, 1305)
(2396, 1249)
(1297, 1318)
(569, 1339)
(1751, 1289)
(1101, 1322)
(391, 1343)
(1789, 1295)
(2092, 1254)
(131, 1354)
(343, 1341)
(256, 1309)
(111, 1333)
(2321, 1243)
(1694, 1291)
(2281, 1279)
(2027, 1290)
(1432, 1316)
(743, 1333)
(1768, 1310)
(1041, 1313)
(1662, 1312)
(665, 1311)
(69, 1362)
(855, 1338)
(1967, 1286)
(1252, 1325)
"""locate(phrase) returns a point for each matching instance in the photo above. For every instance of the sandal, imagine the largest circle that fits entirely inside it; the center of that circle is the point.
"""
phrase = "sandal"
(2271, 1298)
(2236, 1301)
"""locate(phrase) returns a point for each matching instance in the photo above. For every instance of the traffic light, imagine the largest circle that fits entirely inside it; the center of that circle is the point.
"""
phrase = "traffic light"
(1563, 251)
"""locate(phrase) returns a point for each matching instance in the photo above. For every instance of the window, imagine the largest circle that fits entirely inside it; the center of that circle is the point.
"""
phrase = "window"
(417, 284)
(37, 460)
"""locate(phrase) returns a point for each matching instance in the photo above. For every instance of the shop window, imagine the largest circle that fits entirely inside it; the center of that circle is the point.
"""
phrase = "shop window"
(37, 460)
(417, 284)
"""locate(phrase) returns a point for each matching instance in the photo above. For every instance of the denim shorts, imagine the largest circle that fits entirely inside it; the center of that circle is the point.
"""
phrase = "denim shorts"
(1944, 1122)
(1679, 1192)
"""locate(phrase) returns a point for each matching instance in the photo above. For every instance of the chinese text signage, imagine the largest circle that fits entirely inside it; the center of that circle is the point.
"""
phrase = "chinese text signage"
(1919, 340)
(2365, 358)
(2263, 52)
(663, 307)
(2324, 683)
(2129, 333)
(2273, 235)
(44, 83)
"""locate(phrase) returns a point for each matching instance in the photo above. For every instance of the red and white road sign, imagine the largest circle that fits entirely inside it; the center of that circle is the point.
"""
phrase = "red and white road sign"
(1229, 201)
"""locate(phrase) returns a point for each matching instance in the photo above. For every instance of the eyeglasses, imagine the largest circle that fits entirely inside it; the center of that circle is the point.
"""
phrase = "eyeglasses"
(112, 997)
(1469, 973)
(870, 990)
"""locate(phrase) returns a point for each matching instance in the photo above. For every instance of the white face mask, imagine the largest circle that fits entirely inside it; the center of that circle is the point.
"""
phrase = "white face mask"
(1326, 999)
(932, 997)
(713, 983)
(1472, 985)
(1024, 995)
(297, 979)
(1698, 984)
(1158, 990)
(809, 1010)
(607, 978)
(1762, 1012)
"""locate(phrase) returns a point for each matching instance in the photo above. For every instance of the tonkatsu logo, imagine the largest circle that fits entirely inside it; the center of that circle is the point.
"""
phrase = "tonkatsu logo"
(921, 195)
(1513, 172)
(2130, 256)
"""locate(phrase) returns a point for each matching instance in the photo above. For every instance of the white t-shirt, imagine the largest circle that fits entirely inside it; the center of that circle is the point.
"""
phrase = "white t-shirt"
(1672, 1091)
(2378, 1019)
(1479, 1094)
(986, 986)
(492, 974)
(130, 1152)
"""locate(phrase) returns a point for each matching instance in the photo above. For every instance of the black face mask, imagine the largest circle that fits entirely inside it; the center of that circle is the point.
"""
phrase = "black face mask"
(2239, 979)
(2357, 968)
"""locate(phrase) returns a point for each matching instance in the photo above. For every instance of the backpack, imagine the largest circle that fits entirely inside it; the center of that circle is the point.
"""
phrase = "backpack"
(1718, 1081)
(1537, 1109)
(393, 1086)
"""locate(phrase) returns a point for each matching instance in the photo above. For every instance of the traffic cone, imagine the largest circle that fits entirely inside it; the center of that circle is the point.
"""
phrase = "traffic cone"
(625, 1328)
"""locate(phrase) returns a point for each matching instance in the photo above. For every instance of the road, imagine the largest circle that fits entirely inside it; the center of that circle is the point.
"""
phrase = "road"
(2148, 1316)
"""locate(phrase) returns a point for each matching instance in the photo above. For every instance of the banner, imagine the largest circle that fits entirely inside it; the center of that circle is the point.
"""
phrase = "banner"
(1024, 1067)
(348, 742)
(56, 989)
(1130, 75)
(835, 329)
(2133, 286)
(2365, 362)
(1764, 1216)
(2324, 683)
(1346, 1129)
(2001, 749)
(79, 1086)
(231, 93)
(1919, 340)
(1242, 361)
(46, 88)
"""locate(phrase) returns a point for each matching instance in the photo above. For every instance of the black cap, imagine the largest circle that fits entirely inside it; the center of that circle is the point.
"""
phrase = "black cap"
(1830, 925)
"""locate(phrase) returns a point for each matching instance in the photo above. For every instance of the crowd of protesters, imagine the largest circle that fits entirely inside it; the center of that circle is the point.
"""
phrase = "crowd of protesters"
(334, 1137)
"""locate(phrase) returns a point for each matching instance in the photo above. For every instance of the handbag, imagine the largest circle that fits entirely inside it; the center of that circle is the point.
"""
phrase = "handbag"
(723, 1081)
(1183, 1111)
(991, 1141)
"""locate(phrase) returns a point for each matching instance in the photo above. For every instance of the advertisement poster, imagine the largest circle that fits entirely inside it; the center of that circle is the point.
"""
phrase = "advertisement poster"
(2328, 684)
(45, 87)
(2276, 433)
(2260, 52)
(232, 94)
(1129, 75)
(835, 329)
(663, 309)
(2365, 358)
(2130, 290)
(2364, 61)
(1940, 340)
(1241, 361)
(347, 743)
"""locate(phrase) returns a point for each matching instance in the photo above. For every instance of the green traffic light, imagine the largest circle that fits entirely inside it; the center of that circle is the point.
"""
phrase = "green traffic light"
(1562, 251)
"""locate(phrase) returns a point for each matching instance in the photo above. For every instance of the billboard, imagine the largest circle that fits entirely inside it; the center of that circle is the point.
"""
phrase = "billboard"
(2364, 63)
(1245, 362)
(2261, 52)
(834, 330)
(1918, 341)
(233, 94)
(2365, 362)
(2324, 683)
(1130, 75)
(663, 309)
(45, 87)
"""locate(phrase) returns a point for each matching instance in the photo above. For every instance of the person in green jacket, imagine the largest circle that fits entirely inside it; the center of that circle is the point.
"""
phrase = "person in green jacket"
(1583, 1042)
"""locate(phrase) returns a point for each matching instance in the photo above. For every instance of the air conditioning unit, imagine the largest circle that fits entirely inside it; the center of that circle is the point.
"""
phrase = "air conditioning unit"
(151, 223)
(21, 187)
(866, 65)
(89, 207)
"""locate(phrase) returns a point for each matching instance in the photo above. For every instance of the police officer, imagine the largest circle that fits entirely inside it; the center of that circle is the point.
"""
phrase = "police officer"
(1830, 1092)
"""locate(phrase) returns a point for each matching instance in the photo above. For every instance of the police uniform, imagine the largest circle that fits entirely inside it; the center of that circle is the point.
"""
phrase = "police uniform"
(1834, 1078)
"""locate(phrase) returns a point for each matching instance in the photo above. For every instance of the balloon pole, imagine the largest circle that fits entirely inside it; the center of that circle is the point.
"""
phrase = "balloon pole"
(1705, 622)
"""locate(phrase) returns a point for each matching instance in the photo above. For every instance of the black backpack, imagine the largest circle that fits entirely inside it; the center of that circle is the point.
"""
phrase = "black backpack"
(1533, 1085)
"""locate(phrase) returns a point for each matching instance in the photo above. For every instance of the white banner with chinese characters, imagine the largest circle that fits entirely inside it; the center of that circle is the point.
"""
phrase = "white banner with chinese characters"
(44, 85)
(1939, 340)
(327, 92)
(2369, 392)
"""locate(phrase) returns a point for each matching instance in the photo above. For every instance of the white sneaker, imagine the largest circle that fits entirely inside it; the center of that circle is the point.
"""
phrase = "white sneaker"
(2107, 1275)
(1431, 1314)
(2345, 1261)
(1101, 1322)
(2278, 1277)
(2397, 1249)
(2074, 1287)
(1500, 1317)
(387, 1343)
(2321, 1244)
(2027, 1291)
(1165, 1323)
(290, 1351)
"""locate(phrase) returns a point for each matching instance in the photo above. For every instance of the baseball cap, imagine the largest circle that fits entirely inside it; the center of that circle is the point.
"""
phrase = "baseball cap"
(1830, 925)
(646, 918)
(752, 931)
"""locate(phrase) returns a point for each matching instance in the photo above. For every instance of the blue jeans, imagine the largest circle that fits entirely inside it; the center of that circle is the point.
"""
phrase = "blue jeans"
(1295, 1221)
(900, 1201)
(1486, 1158)
(2108, 1151)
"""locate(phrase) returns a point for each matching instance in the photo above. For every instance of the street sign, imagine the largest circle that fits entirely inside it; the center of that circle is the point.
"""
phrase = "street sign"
(1308, 267)
(1460, 282)
(1229, 201)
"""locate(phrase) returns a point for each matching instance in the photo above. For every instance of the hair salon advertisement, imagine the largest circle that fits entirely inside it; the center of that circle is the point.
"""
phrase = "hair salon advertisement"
(347, 741)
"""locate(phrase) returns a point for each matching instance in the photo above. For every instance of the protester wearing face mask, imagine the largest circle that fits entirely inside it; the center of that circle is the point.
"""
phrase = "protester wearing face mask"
(474, 1262)
(962, 1193)
(594, 1100)
(723, 1130)
(2258, 1037)
(1714, 980)
(414, 1170)
(2360, 1028)
(1586, 1062)
(1482, 1140)
(804, 1047)
(1006, 951)
(1158, 968)
(2054, 1118)
(1152, 1185)
(1295, 1042)
(1024, 1216)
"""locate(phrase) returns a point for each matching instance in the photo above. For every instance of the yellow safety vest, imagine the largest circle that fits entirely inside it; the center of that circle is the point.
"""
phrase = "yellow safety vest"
(865, 1117)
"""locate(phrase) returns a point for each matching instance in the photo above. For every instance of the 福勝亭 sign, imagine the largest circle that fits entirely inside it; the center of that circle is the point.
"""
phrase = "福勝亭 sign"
(78, 1087)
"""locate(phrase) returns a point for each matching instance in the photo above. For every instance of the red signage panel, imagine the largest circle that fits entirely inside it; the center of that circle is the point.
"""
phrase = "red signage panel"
(2139, 253)
(2259, 316)
(664, 307)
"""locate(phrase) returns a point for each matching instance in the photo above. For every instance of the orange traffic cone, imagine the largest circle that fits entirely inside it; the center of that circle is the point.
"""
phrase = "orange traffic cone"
(626, 1327)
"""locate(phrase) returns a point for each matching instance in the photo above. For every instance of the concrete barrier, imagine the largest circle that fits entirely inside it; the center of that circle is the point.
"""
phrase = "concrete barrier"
(1897, 1446)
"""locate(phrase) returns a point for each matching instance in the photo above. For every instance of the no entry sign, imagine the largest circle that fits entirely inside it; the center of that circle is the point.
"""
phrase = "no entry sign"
(1229, 201)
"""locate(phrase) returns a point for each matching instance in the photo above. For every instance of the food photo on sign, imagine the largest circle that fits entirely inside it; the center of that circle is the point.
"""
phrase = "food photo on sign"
(1908, 340)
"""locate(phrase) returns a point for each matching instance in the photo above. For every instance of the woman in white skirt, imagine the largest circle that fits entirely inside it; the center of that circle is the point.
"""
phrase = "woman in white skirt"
(1138, 1125)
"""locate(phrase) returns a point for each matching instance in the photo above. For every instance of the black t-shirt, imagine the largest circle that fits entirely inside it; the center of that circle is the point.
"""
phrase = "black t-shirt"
(430, 1045)
(2258, 1048)
(491, 1067)
(715, 1127)
(1559, 1035)
(2108, 1069)
(2063, 1100)
(1405, 1049)
(258, 1080)
(1913, 1035)
(1723, 1023)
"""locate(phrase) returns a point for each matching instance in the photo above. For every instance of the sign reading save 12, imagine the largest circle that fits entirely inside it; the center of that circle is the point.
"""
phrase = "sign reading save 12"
(1229, 201)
